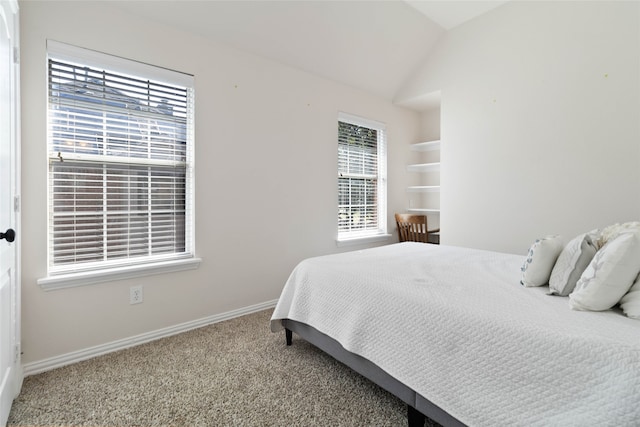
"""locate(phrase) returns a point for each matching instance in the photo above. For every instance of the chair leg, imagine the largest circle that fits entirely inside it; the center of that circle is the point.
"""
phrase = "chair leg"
(415, 418)
(289, 336)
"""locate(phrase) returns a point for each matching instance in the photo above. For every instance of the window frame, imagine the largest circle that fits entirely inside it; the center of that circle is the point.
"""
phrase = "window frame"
(345, 238)
(78, 274)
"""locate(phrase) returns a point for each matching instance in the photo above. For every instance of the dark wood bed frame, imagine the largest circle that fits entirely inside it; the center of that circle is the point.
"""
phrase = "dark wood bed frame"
(417, 406)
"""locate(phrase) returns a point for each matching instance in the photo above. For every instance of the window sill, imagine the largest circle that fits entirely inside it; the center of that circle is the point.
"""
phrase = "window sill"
(362, 240)
(119, 273)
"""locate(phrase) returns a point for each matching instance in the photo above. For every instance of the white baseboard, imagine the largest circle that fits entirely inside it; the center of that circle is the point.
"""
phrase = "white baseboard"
(40, 366)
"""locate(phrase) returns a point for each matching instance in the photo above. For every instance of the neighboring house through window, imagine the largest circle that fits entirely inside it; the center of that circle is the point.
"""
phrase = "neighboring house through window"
(362, 180)
(120, 149)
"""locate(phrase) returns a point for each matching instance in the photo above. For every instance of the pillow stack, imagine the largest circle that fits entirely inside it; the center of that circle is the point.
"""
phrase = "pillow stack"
(596, 270)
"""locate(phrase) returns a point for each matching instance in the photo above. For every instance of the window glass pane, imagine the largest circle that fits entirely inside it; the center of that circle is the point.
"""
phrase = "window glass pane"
(124, 197)
(76, 238)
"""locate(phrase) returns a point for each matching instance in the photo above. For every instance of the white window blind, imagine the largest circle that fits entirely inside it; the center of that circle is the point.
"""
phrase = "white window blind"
(361, 177)
(120, 164)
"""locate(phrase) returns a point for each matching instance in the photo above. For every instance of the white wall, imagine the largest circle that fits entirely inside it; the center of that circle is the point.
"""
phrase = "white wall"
(266, 180)
(540, 121)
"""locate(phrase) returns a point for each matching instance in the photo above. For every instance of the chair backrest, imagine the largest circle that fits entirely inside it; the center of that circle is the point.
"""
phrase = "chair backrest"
(412, 227)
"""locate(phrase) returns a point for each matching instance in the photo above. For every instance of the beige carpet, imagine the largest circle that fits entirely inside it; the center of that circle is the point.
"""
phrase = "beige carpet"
(233, 373)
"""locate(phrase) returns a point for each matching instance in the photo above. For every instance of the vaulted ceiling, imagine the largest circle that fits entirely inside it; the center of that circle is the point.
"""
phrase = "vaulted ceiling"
(371, 45)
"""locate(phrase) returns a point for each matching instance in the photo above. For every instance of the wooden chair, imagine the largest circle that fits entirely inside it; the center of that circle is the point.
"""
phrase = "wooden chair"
(413, 228)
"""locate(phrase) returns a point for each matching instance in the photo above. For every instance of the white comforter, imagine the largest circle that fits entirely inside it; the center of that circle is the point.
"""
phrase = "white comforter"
(455, 325)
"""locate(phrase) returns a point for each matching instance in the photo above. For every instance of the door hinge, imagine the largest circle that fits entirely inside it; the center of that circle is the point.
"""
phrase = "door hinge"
(16, 55)
(16, 203)
(16, 355)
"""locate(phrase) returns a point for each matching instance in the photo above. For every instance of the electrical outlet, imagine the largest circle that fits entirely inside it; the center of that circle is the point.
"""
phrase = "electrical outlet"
(135, 294)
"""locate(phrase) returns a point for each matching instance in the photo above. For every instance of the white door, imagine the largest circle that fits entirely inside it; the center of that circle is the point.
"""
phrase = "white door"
(10, 370)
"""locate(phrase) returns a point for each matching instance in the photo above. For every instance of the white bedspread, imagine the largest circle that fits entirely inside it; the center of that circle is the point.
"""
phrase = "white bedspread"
(455, 325)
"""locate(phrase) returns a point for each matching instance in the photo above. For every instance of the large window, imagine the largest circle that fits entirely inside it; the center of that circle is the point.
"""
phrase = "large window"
(120, 148)
(361, 178)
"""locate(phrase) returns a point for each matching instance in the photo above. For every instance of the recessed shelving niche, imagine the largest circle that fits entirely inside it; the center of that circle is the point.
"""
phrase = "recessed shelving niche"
(424, 197)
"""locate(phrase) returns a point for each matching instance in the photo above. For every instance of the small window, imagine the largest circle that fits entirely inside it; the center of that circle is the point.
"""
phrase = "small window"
(120, 149)
(362, 185)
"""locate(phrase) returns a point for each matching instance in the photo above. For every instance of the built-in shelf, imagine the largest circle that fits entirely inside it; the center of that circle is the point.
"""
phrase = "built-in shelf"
(426, 146)
(424, 210)
(424, 167)
(424, 188)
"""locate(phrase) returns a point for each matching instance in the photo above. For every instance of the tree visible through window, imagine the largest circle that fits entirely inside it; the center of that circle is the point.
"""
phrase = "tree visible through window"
(120, 166)
(361, 178)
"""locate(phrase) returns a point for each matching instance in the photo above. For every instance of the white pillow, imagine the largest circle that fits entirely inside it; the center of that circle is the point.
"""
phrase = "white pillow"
(540, 260)
(601, 237)
(630, 303)
(610, 273)
(570, 265)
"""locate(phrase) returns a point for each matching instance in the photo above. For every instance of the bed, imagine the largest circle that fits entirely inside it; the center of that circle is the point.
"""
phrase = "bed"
(451, 332)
